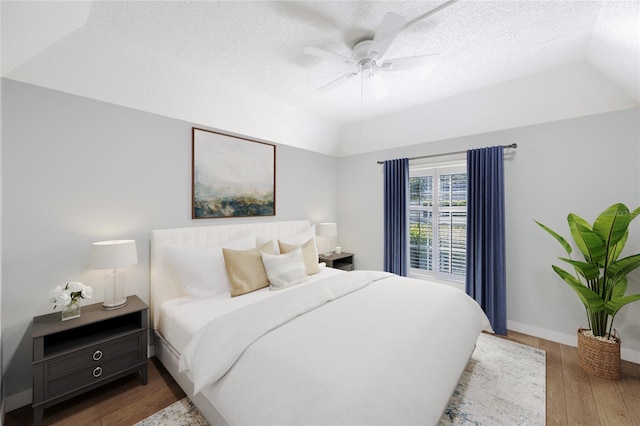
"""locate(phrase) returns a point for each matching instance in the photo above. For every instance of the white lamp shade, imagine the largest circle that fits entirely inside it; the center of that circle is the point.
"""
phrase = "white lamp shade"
(113, 254)
(327, 229)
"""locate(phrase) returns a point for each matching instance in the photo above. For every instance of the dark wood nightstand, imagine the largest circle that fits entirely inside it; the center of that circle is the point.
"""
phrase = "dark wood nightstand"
(75, 356)
(342, 261)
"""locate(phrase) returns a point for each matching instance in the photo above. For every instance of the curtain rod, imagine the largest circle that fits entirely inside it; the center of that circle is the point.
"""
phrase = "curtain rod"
(513, 145)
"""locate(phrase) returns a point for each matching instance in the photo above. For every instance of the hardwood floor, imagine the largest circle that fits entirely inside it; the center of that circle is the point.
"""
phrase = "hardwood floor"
(573, 396)
(123, 402)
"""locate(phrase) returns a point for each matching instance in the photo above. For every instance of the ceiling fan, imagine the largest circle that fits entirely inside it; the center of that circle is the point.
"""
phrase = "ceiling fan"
(368, 56)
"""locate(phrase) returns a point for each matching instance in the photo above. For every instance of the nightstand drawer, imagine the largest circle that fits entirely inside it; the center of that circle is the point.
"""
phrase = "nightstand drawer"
(91, 356)
(86, 372)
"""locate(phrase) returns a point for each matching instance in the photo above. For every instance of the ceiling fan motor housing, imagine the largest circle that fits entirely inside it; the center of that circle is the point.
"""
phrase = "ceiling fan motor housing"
(361, 51)
(366, 58)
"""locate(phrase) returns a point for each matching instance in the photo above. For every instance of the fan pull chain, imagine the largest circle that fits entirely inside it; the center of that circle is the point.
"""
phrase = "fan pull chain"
(362, 104)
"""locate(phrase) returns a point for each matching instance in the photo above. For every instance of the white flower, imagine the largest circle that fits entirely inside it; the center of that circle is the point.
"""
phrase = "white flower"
(74, 286)
(63, 299)
(87, 292)
(70, 293)
(54, 292)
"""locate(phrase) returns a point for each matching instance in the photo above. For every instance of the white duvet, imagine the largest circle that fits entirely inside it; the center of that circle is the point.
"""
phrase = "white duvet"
(358, 348)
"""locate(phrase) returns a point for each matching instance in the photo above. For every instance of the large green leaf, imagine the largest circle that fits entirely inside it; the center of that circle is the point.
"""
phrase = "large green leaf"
(558, 237)
(622, 267)
(611, 226)
(620, 288)
(615, 251)
(590, 244)
(587, 270)
(613, 306)
(590, 299)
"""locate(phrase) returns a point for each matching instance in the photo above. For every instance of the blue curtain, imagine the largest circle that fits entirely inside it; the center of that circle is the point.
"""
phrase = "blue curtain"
(486, 277)
(396, 216)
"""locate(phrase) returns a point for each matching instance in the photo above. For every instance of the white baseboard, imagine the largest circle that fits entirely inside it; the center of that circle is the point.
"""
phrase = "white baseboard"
(554, 336)
(566, 339)
(17, 400)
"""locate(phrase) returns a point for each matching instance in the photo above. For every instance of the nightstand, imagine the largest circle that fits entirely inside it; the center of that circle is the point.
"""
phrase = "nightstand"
(342, 261)
(72, 357)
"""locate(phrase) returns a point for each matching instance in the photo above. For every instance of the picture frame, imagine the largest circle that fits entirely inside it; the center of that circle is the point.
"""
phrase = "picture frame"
(231, 176)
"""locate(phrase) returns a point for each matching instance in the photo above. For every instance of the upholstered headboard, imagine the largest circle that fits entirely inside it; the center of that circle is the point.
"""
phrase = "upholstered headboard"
(163, 286)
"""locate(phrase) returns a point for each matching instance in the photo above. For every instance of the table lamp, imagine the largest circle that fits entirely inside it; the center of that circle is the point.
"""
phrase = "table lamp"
(114, 255)
(329, 232)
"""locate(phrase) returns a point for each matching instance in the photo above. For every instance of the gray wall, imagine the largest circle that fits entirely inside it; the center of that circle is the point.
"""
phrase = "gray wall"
(75, 171)
(580, 165)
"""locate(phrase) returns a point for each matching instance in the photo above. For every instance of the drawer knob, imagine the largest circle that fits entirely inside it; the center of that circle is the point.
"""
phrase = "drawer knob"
(97, 355)
(97, 372)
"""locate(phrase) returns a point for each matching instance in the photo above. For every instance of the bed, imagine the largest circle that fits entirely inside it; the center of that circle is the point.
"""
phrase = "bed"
(322, 346)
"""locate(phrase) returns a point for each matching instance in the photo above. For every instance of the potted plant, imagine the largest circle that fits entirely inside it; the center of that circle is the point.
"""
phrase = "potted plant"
(600, 281)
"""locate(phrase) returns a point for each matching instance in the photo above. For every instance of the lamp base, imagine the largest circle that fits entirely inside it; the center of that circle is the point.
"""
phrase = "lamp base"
(115, 305)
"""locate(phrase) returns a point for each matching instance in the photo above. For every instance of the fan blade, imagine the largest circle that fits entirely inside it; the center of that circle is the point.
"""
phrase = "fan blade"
(431, 12)
(325, 54)
(411, 62)
(388, 30)
(332, 82)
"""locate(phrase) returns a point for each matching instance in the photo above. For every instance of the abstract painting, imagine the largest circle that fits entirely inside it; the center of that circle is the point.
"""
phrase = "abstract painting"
(232, 176)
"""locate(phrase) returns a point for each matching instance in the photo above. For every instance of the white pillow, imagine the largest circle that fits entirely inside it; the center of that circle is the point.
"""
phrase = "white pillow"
(308, 254)
(301, 238)
(201, 270)
(285, 270)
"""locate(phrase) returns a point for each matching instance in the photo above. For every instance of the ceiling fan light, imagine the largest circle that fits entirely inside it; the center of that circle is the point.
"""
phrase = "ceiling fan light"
(379, 88)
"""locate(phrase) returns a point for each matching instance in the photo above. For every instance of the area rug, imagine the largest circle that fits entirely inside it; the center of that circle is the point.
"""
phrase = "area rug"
(181, 413)
(503, 384)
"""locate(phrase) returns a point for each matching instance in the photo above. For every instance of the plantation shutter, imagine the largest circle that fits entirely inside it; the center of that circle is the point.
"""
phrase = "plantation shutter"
(452, 223)
(438, 221)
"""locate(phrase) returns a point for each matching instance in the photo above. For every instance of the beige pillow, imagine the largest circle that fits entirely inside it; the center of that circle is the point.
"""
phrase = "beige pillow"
(246, 270)
(308, 253)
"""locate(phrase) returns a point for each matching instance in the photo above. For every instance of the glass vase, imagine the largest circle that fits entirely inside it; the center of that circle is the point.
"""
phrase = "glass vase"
(71, 311)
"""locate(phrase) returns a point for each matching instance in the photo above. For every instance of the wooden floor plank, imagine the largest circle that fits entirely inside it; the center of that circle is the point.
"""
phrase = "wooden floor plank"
(555, 396)
(632, 403)
(553, 355)
(629, 383)
(609, 403)
(581, 405)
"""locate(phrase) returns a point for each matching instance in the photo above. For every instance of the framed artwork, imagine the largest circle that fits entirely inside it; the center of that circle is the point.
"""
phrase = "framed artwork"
(232, 176)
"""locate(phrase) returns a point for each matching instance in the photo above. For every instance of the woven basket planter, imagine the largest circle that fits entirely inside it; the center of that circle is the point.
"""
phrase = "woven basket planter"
(598, 357)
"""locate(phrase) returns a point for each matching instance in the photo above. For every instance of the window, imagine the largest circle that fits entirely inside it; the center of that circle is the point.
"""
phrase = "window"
(438, 221)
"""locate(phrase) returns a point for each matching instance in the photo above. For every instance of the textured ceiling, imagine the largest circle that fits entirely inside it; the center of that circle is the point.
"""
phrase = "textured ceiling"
(258, 45)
